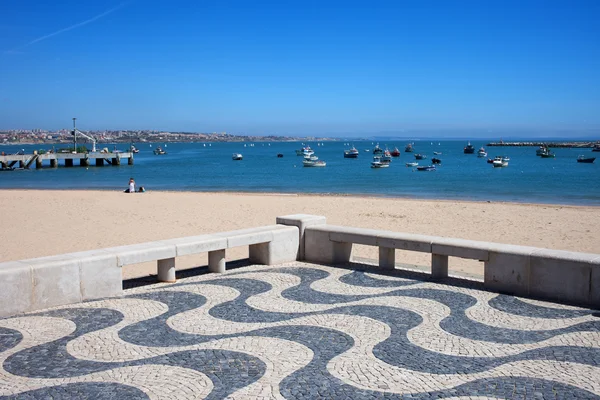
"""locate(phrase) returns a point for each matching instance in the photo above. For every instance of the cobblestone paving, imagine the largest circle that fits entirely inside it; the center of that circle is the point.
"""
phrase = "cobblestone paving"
(303, 331)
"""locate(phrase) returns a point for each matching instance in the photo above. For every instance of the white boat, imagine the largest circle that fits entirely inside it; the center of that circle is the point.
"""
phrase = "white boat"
(378, 163)
(481, 152)
(237, 156)
(305, 151)
(309, 163)
(412, 164)
(312, 157)
(499, 162)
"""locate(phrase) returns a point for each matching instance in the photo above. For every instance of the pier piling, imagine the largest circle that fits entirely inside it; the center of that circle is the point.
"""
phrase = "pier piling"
(116, 161)
(38, 163)
(21, 164)
(99, 162)
(130, 160)
(53, 163)
(68, 162)
(84, 162)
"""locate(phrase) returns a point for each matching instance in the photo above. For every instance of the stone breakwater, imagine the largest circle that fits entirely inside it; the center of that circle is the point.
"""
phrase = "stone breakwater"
(549, 144)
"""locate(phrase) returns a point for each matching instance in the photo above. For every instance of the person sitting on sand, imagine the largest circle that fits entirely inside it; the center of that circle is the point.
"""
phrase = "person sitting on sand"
(131, 188)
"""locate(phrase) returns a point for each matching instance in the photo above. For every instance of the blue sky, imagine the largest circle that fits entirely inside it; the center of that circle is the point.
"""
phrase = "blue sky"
(303, 67)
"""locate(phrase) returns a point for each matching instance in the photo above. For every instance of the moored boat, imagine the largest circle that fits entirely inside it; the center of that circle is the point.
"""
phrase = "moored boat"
(378, 163)
(596, 147)
(548, 155)
(469, 149)
(499, 161)
(351, 153)
(377, 150)
(420, 156)
(311, 157)
(435, 160)
(481, 152)
(395, 152)
(412, 164)
(543, 149)
(318, 163)
(426, 168)
(237, 157)
(437, 153)
(408, 148)
(304, 151)
(586, 160)
(159, 151)
(133, 149)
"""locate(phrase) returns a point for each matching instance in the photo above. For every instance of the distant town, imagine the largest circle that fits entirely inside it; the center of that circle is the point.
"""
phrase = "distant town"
(41, 136)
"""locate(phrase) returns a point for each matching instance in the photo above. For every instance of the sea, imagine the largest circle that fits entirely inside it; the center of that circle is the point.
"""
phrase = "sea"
(208, 167)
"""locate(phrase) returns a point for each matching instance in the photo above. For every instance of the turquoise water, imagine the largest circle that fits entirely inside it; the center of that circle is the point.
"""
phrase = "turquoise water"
(200, 167)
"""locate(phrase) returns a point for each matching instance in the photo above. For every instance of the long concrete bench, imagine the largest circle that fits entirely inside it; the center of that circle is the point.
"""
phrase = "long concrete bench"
(44, 282)
(556, 275)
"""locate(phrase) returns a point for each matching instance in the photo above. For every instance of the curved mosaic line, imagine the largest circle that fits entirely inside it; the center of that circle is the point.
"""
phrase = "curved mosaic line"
(303, 331)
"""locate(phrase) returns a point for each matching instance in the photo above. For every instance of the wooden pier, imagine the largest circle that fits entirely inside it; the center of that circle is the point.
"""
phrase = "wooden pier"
(98, 159)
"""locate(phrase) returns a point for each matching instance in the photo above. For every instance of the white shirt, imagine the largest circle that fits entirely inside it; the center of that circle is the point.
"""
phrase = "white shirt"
(131, 187)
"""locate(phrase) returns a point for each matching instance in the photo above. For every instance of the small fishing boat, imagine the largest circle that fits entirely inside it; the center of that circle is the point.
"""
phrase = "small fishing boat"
(481, 152)
(309, 163)
(490, 160)
(395, 152)
(596, 147)
(408, 148)
(237, 157)
(469, 149)
(499, 161)
(543, 149)
(159, 151)
(426, 168)
(548, 155)
(437, 153)
(420, 156)
(304, 151)
(377, 150)
(412, 164)
(377, 163)
(351, 153)
(436, 160)
(586, 160)
(311, 157)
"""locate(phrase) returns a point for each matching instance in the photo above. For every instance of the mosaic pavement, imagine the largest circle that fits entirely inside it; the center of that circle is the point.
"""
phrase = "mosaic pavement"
(303, 331)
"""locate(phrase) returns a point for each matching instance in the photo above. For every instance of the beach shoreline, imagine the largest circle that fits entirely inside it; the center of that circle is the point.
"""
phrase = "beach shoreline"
(48, 222)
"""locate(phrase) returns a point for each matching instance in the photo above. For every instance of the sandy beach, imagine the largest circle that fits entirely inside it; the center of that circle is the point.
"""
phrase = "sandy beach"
(40, 223)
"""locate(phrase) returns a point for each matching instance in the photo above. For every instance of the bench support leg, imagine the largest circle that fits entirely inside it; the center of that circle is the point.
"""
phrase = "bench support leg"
(439, 266)
(387, 258)
(166, 270)
(216, 261)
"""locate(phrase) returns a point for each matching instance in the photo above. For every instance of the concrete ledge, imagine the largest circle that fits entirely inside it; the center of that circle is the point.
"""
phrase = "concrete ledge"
(562, 275)
(320, 249)
(143, 252)
(16, 295)
(405, 241)
(283, 248)
(507, 269)
(301, 221)
(197, 244)
(460, 248)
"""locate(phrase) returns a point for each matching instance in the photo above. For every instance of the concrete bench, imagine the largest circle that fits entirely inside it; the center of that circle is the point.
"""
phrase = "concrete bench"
(555, 275)
(45, 282)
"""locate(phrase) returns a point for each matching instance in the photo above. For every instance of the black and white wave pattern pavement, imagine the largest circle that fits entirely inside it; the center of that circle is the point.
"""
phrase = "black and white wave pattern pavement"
(302, 331)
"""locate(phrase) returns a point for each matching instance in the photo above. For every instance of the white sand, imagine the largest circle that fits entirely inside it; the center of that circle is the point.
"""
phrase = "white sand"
(39, 223)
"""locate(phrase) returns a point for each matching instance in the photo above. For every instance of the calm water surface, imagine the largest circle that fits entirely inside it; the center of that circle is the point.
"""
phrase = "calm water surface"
(200, 167)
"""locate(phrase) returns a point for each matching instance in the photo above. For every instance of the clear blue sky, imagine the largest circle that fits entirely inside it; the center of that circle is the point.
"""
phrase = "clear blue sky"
(302, 67)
